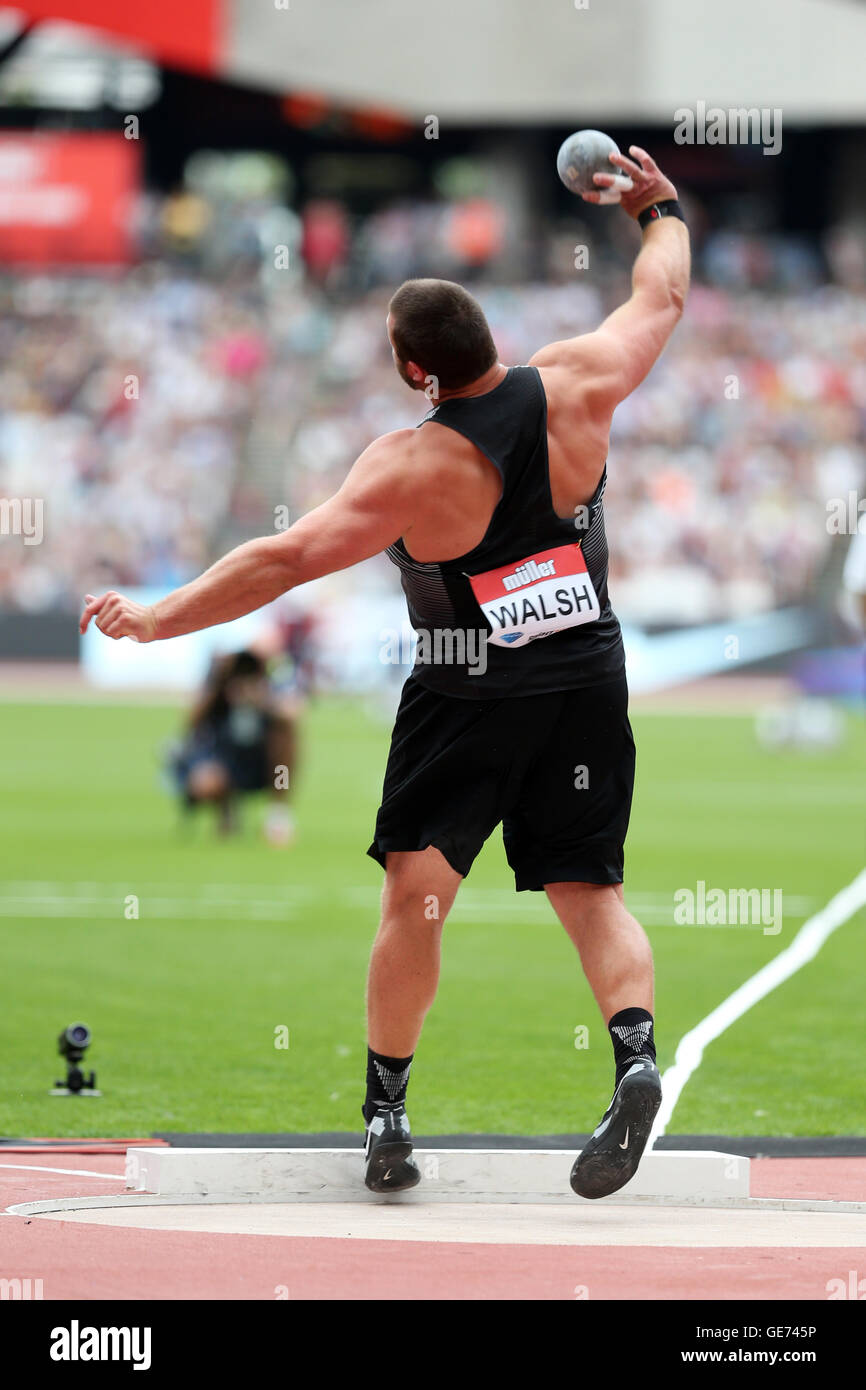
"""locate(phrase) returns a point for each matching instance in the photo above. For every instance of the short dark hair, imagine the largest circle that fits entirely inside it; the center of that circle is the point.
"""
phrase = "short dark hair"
(439, 326)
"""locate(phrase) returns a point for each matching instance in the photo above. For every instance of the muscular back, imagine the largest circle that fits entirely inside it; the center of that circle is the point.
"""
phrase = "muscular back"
(462, 487)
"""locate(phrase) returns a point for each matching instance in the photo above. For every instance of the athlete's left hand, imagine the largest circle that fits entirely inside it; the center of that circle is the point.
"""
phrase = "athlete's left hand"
(117, 616)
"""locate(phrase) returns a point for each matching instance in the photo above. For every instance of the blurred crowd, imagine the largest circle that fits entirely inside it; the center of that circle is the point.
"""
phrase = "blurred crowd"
(168, 412)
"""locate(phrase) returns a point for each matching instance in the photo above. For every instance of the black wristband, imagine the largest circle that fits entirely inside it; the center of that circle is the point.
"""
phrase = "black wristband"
(669, 207)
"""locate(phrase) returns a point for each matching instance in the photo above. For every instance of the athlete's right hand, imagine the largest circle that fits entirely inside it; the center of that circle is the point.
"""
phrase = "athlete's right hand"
(650, 184)
(117, 616)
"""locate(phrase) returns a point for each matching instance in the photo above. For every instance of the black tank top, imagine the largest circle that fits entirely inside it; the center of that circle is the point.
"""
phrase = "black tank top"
(533, 568)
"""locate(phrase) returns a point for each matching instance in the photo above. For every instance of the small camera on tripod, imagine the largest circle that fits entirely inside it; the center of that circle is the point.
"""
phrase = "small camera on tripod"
(72, 1044)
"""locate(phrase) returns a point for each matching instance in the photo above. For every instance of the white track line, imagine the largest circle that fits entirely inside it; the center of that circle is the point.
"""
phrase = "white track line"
(71, 1172)
(805, 946)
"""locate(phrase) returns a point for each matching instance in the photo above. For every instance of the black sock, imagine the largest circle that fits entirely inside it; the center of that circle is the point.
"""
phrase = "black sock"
(387, 1079)
(631, 1032)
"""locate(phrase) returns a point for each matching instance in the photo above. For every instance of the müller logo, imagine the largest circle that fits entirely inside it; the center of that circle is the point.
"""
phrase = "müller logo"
(526, 573)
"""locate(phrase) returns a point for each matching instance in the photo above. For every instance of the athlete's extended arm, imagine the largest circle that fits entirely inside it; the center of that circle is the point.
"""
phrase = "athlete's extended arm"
(372, 509)
(614, 359)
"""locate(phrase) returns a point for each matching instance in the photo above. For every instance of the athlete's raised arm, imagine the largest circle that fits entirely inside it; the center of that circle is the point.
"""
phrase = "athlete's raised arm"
(610, 362)
(372, 509)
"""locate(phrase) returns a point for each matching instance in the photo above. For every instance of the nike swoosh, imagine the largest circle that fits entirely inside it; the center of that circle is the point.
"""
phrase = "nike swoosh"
(624, 1144)
(387, 1175)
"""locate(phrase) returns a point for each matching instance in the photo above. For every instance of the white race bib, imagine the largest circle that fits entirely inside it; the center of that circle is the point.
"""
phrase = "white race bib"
(535, 597)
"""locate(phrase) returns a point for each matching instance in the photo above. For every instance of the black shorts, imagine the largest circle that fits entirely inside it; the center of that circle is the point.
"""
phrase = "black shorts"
(557, 770)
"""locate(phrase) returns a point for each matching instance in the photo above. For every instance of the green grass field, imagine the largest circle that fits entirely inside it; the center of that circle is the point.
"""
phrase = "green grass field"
(235, 939)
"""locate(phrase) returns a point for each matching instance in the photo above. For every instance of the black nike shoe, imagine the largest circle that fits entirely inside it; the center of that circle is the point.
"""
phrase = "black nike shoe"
(613, 1152)
(388, 1150)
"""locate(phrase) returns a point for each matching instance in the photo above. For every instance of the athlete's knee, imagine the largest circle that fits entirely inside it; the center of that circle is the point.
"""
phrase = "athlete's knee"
(410, 904)
(419, 889)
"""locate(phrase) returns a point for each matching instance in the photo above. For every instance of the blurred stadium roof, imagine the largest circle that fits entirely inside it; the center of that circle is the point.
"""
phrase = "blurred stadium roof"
(512, 61)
